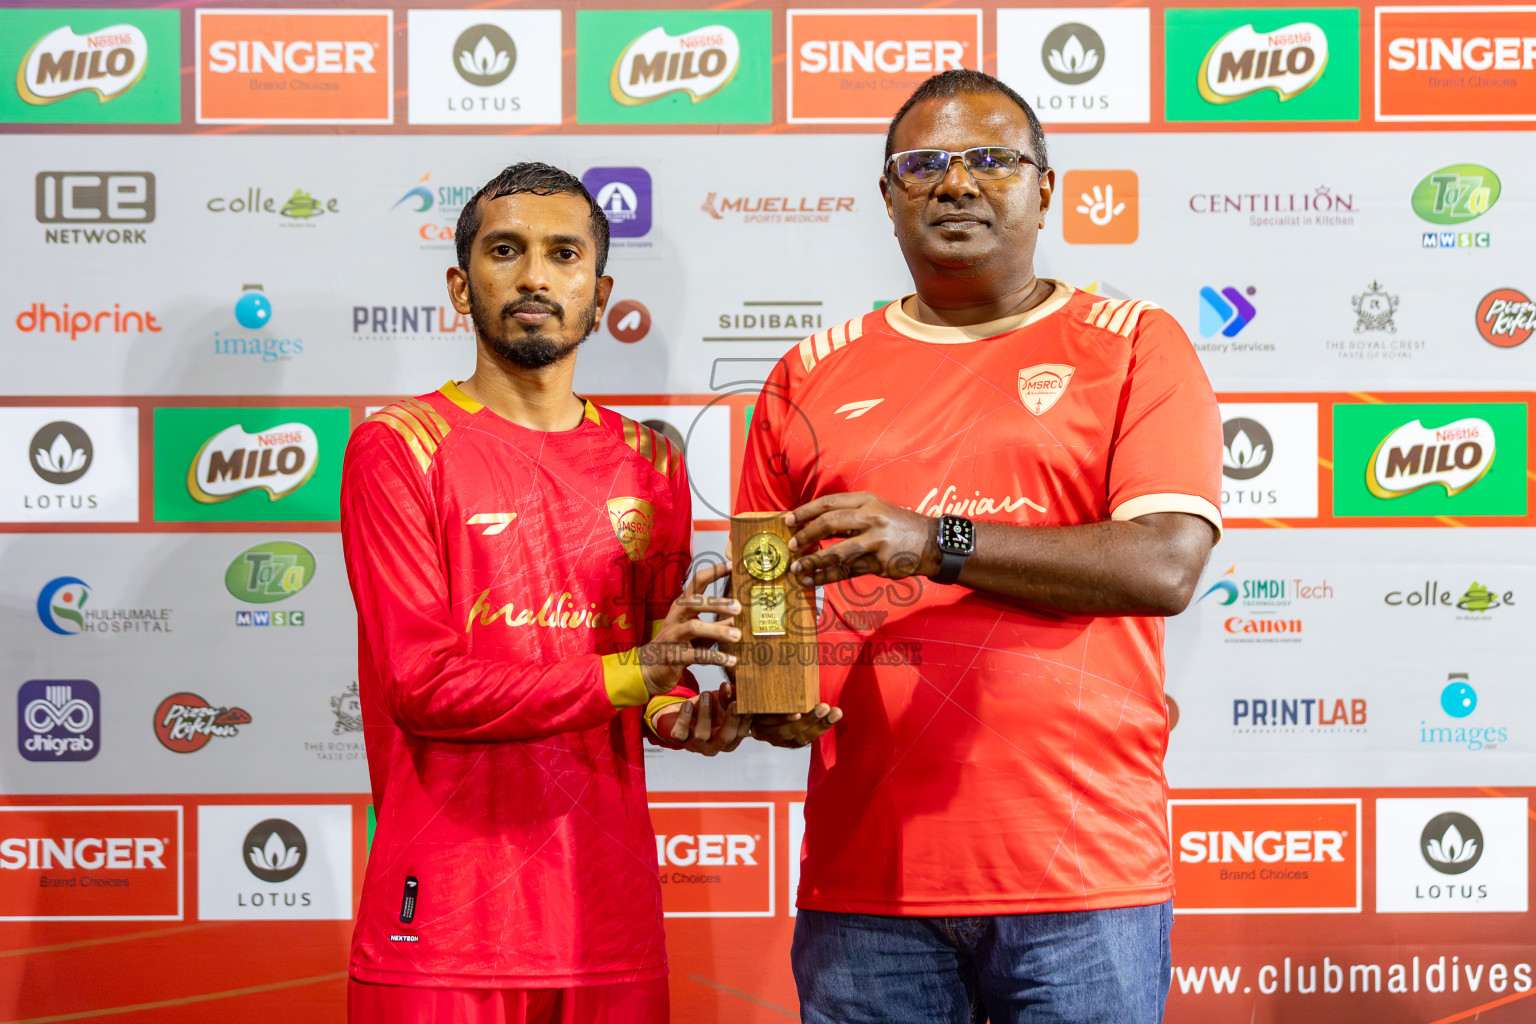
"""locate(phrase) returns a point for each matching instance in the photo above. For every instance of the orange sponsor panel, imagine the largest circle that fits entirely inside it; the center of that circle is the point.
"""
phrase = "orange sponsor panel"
(1099, 207)
(715, 859)
(1456, 63)
(294, 67)
(90, 864)
(1265, 856)
(859, 66)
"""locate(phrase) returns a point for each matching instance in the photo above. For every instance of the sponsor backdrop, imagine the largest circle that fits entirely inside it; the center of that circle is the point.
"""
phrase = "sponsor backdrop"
(227, 234)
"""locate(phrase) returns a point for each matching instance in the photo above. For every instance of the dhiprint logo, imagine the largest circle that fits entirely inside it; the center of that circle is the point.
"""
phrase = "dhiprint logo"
(61, 605)
(1288, 60)
(61, 452)
(275, 850)
(484, 55)
(1247, 448)
(185, 722)
(1225, 313)
(58, 720)
(1451, 843)
(107, 62)
(1506, 317)
(1452, 855)
(624, 196)
(1374, 310)
(1073, 53)
(1456, 194)
(1106, 211)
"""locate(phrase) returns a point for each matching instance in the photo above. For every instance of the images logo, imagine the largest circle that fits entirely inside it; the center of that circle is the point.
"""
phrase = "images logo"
(1247, 449)
(294, 67)
(1455, 456)
(624, 196)
(1459, 700)
(95, 197)
(1456, 194)
(1106, 211)
(252, 308)
(185, 722)
(275, 850)
(1506, 317)
(1226, 313)
(91, 66)
(484, 67)
(58, 720)
(270, 572)
(61, 452)
(61, 605)
(1259, 64)
(855, 67)
(1078, 65)
(673, 67)
(1455, 63)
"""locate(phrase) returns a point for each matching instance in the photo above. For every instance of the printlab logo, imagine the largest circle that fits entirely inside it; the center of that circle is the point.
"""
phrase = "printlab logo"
(1105, 212)
(484, 55)
(1247, 448)
(1226, 312)
(1506, 317)
(60, 720)
(1073, 53)
(185, 722)
(275, 850)
(624, 196)
(629, 321)
(1451, 843)
(1456, 195)
(61, 452)
(61, 605)
(92, 198)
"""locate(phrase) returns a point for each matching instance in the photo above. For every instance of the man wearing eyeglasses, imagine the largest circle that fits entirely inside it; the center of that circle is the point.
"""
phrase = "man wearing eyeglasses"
(1003, 483)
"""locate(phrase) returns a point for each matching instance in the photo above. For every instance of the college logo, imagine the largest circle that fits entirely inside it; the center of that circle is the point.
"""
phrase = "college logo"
(69, 464)
(1475, 602)
(274, 862)
(61, 452)
(1078, 65)
(58, 720)
(270, 572)
(1448, 855)
(301, 209)
(91, 66)
(1456, 194)
(185, 722)
(1455, 64)
(1225, 313)
(484, 67)
(90, 863)
(294, 67)
(1374, 310)
(1298, 64)
(1269, 460)
(1271, 856)
(1506, 317)
(629, 321)
(1106, 209)
(715, 859)
(1041, 387)
(624, 196)
(249, 464)
(92, 198)
(673, 67)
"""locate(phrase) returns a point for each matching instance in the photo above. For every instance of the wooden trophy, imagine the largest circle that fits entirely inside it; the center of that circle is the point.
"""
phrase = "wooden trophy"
(776, 658)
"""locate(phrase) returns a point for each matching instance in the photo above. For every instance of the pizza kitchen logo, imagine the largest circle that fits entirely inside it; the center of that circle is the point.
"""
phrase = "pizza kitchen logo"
(1506, 317)
(185, 723)
(233, 461)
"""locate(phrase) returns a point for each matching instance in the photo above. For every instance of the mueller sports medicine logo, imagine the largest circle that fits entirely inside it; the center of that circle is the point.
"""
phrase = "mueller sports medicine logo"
(699, 63)
(1455, 456)
(58, 720)
(1288, 60)
(62, 63)
(802, 209)
(233, 461)
(1272, 856)
(91, 199)
(1452, 855)
(1456, 63)
(90, 863)
(294, 67)
(1506, 317)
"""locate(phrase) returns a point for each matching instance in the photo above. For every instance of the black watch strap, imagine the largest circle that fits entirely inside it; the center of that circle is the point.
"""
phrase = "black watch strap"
(949, 568)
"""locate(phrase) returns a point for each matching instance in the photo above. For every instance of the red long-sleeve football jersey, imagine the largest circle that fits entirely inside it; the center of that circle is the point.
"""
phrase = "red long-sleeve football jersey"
(499, 572)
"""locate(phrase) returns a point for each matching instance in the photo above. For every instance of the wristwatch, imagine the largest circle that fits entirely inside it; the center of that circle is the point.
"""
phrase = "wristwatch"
(957, 542)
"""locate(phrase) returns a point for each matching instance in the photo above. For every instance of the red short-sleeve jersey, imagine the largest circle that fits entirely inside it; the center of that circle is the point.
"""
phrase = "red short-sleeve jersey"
(992, 759)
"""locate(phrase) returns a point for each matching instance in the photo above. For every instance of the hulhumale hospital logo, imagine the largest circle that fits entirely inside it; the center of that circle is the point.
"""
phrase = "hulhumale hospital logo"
(60, 605)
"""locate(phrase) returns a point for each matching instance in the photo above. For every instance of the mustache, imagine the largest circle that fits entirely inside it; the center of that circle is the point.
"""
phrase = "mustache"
(534, 304)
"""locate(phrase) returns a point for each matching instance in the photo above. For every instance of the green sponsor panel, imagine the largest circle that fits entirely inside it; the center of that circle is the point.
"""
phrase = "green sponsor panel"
(249, 465)
(1448, 465)
(90, 66)
(674, 67)
(1266, 66)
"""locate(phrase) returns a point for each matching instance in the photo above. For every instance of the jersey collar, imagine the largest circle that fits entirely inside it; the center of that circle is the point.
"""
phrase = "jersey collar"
(905, 325)
(456, 395)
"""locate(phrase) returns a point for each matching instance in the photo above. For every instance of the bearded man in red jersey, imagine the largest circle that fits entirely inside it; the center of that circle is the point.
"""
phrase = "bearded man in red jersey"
(514, 552)
(1038, 471)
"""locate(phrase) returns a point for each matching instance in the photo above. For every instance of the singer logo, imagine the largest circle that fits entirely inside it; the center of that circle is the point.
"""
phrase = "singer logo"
(90, 864)
(855, 67)
(716, 859)
(1266, 856)
(295, 67)
(231, 462)
(1456, 63)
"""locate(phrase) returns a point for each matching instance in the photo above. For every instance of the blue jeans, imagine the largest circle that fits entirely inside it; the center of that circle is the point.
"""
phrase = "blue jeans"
(1078, 967)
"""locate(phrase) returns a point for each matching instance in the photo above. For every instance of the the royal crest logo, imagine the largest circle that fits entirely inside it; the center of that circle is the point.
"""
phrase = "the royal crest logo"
(231, 462)
(347, 706)
(1414, 456)
(633, 520)
(700, 63)
(60, 64)
(1374, 310)
(1040, 387)
(1243, 62)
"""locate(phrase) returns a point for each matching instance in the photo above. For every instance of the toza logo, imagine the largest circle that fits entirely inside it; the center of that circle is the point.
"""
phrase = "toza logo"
(1451, 843)
(700, 63)
(61, 452)
(232, 462)
(1456, 194)
(1041, 386)
(60, 64)
(484, 55)
(275, 850)
(1247, 448)
(1414, 456)
(270, 572)
(1374, 310)
(1072, 53)
(1243, 62)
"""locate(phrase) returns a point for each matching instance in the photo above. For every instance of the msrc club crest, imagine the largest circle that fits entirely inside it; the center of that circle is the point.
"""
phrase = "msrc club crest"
(633, 520)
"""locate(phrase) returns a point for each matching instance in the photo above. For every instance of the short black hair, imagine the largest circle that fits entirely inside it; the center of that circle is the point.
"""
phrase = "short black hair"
(539, 179)
(957, 81)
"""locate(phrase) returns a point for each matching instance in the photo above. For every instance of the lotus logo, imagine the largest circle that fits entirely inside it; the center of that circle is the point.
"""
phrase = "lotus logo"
(484, 55)
(1243, 62)
(1414, 456)
(60, 605)
(61, 452)
(1072, 53)
(1246, 448)
(275, 850)
(1451, 843)
(700, 63)
(1456, 194)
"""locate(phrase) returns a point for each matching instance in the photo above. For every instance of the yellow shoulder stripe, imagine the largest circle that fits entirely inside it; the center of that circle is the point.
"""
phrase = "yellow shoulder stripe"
(1118, 316)
(823, 343)
(650, 445)
(418, 424)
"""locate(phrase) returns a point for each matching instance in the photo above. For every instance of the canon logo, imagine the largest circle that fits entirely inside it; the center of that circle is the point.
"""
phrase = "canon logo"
(1271, 847)
(706, 850)
(326, 57)
(45, 854)
(1480, 53)
(893, 56)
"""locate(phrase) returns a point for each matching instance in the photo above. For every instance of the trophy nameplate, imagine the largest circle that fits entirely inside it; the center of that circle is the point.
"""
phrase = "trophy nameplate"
(776, 658)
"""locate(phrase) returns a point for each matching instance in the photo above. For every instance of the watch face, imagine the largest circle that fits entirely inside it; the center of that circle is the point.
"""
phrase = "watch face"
(956, 534)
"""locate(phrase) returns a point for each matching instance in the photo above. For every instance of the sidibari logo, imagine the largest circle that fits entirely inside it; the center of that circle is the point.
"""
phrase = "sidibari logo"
(61, 452)
(232, 462)
(1243, 62)
(60, 64)
(1456, 194)
(1451, 843)
(270, 572)
(1414, 456)
(700, 62)
(275, 850)
(1506, 317)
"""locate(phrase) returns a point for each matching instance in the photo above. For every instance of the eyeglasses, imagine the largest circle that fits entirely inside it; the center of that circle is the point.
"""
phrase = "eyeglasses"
(985, 163)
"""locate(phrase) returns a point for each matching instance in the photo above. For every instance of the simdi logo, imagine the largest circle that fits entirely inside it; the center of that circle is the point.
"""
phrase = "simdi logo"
(857, 66)
(90, 863)
(1266, 856)
(91, 66)
(295, 67)
(715, 859)
(1456, 63)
